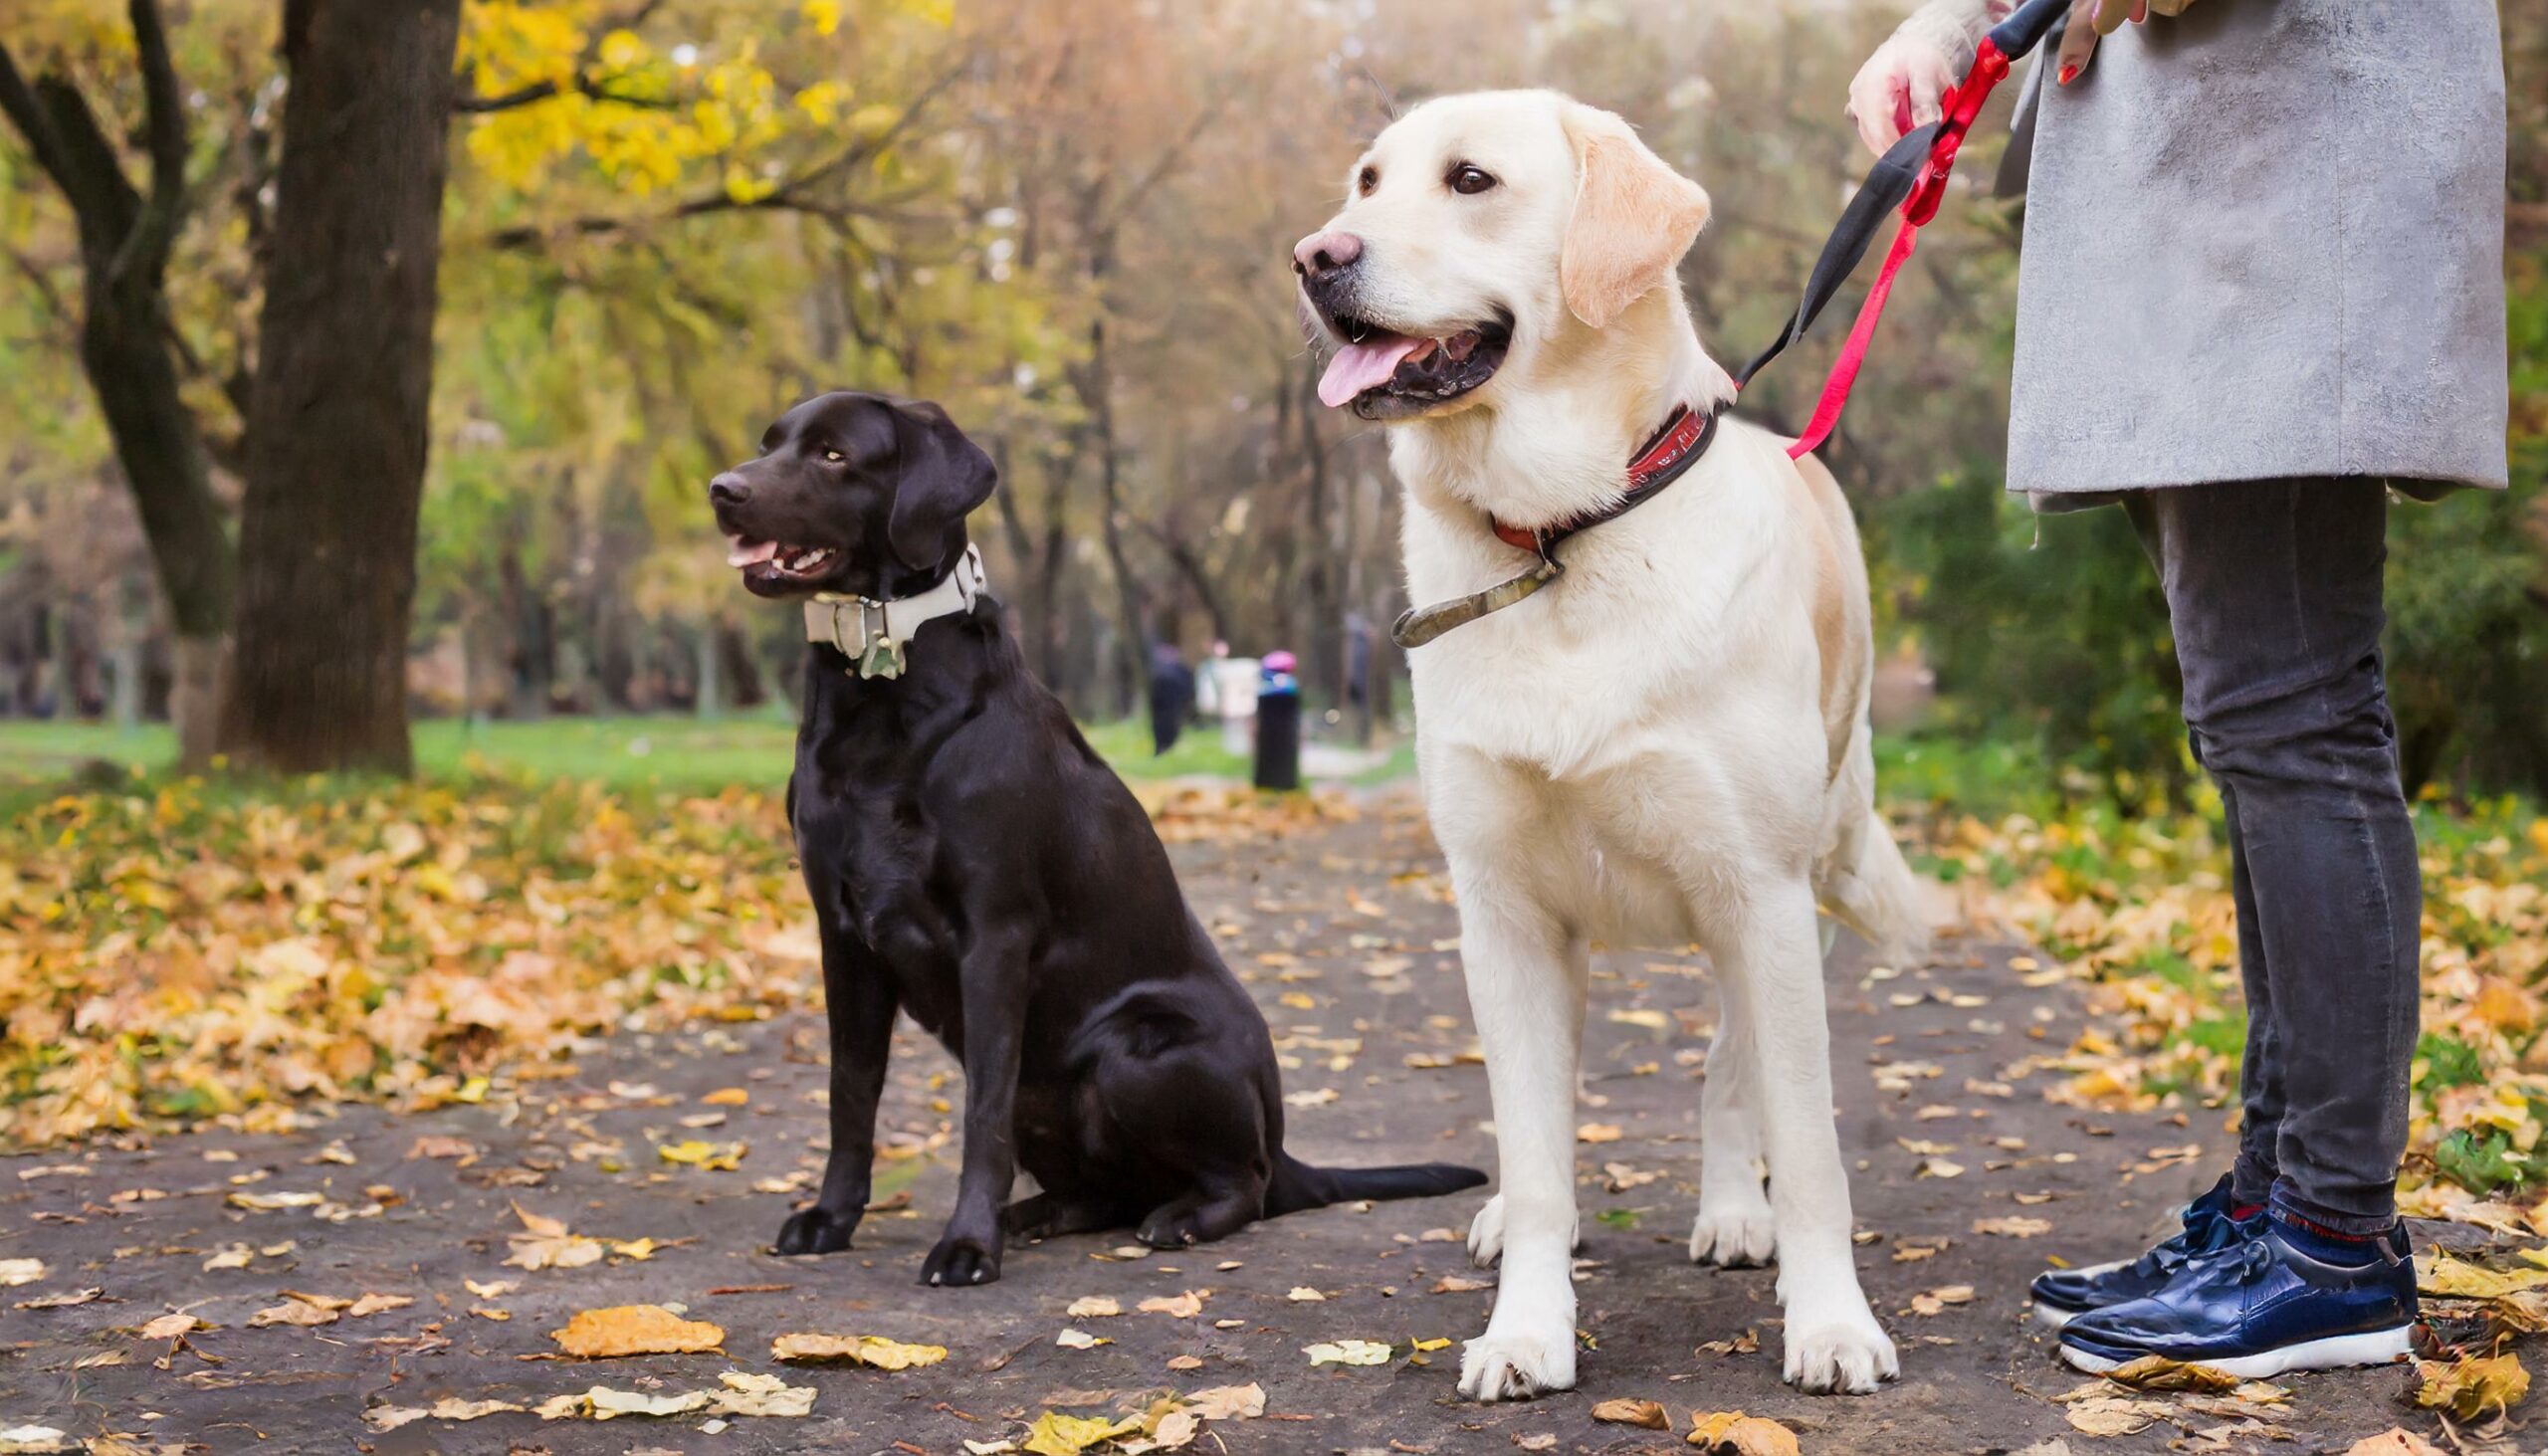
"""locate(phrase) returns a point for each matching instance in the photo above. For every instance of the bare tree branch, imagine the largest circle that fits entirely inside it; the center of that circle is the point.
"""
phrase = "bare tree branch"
(146, 249)
(20, 105)
(595, 86)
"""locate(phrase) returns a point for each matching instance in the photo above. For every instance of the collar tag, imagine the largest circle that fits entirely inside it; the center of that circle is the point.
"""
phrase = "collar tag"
(876, 635)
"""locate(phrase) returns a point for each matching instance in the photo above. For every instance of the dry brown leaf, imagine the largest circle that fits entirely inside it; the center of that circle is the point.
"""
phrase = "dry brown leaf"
(2015, 1226)
(2473, 1385)
(2449, 1277)
(1648, 1413)
(1937, 1300)
(2156, 1372)
(171, 1327)
(867, 1349)
(1181, 1306)
(1731, 1433)
(1598, 1132)
(1093, 1306)
(2114, 1415)
(1228, 1402)
(450, 1407)
(634, 1330)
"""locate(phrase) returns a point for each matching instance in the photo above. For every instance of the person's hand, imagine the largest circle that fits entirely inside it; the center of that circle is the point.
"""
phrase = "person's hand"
(2090, 19)
(1902, 86)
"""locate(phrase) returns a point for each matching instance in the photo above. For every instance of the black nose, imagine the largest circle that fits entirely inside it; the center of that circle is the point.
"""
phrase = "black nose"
(728, 490)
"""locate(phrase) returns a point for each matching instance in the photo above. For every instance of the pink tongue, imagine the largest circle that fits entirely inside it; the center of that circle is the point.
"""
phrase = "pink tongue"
(1359, 367)
(740, 553)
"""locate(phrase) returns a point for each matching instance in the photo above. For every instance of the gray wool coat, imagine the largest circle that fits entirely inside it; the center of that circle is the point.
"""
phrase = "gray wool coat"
(2264, 239)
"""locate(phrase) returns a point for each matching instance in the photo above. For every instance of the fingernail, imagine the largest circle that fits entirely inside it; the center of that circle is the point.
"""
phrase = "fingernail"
(2068, 72)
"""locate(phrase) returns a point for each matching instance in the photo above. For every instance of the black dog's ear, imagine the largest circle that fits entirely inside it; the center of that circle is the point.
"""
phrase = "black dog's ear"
(943, 477)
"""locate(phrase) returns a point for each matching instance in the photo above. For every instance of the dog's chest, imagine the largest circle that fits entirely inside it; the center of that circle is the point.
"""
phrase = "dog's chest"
(877, 866)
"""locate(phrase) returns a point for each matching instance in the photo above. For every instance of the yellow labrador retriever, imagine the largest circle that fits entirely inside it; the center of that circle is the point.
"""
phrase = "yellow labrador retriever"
(1667, 743)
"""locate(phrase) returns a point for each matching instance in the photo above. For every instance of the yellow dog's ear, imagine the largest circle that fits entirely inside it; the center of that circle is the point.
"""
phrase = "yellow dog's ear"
(1633, 218)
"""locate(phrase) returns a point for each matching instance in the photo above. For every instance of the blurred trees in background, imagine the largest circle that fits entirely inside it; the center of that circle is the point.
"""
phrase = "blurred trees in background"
(667, 220)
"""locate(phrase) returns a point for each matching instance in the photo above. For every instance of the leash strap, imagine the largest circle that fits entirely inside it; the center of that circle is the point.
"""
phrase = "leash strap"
(1911, 176)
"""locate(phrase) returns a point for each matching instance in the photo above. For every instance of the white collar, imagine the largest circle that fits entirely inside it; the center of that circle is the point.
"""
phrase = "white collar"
(873, 634)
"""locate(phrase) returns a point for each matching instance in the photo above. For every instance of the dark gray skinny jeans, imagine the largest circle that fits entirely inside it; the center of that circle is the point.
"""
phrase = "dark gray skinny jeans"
(2273, 588)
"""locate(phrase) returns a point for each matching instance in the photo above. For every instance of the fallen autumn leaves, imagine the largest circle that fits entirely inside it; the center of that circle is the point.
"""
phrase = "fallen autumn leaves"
(196, 950)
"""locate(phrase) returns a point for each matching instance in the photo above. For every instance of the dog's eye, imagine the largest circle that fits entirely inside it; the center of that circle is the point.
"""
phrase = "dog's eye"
(1469, 181)
(1369, 179)
(834, 455)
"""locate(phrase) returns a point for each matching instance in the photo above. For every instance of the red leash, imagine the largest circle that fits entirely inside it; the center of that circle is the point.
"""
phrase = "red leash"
(1962, 104)
(1913, 173)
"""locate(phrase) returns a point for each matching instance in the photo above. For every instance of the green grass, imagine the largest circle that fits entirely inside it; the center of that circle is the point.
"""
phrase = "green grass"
(662, 751)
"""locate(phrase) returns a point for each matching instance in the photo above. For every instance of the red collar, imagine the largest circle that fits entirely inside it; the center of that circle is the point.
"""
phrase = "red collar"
(1674, 449)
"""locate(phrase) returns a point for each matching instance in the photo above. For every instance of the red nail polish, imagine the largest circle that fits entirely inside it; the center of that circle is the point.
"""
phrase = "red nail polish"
(2067, 72)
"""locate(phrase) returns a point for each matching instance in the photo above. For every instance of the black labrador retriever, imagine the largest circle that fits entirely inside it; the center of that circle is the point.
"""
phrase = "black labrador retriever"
(973, 863)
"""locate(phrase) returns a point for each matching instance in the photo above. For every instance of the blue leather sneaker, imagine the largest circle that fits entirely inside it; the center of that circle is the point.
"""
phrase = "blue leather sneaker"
(2062, 1294)
(2259, 1307)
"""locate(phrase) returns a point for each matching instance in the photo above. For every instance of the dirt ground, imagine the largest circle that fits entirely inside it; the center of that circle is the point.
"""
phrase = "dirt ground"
(1349, 941)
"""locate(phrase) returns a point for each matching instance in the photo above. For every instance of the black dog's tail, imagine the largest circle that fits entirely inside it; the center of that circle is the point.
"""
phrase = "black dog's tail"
(1297, 1185)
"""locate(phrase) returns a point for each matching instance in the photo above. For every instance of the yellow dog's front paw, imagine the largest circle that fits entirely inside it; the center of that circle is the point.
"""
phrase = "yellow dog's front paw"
(1517, 1367)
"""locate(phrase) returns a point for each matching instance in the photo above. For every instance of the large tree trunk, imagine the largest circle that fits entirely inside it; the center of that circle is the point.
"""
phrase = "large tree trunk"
(124, 333)
(336, 430)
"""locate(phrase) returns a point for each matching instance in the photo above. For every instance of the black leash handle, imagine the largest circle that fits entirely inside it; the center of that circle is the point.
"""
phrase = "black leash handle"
(1889, 182)
(2026, 26)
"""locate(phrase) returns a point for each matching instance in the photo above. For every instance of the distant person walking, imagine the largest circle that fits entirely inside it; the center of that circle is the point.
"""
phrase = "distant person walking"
(2261, 286)
(1171, 697)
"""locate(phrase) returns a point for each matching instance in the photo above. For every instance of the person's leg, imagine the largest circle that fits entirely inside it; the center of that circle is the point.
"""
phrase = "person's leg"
(2274, 590)
(2260, 1077)
(2260, 1092)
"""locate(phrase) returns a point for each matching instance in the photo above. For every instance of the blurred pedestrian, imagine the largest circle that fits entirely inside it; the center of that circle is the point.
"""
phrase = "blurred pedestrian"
(1171, 697)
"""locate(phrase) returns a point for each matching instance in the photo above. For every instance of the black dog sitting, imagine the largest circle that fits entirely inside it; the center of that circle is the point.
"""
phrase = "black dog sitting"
(974, 863)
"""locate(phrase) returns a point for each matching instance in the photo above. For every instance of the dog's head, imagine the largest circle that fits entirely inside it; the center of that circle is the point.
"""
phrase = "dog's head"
(1483, 236)
(852, 493)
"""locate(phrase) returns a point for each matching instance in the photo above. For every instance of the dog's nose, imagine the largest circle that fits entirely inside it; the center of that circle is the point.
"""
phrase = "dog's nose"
(1321, 255)
(728, 490)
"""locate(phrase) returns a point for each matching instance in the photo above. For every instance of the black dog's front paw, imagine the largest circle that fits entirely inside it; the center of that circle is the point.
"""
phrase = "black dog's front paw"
(962, 1259)
(818, 1230)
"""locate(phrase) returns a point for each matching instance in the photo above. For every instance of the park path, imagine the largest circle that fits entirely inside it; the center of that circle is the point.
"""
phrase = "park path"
(1347, 937)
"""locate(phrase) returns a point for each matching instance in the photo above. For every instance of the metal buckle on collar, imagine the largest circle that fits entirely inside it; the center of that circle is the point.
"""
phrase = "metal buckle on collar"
(872, 654)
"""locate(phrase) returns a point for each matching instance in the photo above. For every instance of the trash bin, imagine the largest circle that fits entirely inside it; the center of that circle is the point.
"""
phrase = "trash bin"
(1278, 724)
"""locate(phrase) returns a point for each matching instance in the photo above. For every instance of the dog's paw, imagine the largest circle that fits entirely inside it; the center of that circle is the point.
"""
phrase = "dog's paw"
(817, 1230)
(1486, 1233)
(1848, 1356)
(1497, 1367)
(961, 1260)
(1172, 1228)
(1733, 1238)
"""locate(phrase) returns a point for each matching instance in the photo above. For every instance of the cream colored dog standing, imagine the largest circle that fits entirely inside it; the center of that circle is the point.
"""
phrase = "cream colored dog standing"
(1669, 744)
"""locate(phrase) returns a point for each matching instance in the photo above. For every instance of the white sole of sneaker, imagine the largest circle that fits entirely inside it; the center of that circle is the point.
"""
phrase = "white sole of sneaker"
(2338, 1352)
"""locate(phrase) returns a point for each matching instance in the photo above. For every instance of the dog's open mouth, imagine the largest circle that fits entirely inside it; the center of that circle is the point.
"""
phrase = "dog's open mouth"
(768, 564)
(1385, 375)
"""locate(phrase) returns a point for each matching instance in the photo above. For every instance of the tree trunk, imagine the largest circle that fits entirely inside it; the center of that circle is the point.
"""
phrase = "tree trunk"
(336, 431)
(124, 333)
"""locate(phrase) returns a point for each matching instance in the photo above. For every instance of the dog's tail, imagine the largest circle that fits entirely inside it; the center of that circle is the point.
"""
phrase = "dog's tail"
(1298, 1186)
(1879, 895)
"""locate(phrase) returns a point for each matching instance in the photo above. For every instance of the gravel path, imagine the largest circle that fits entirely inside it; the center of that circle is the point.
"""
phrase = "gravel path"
(1347, 937)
